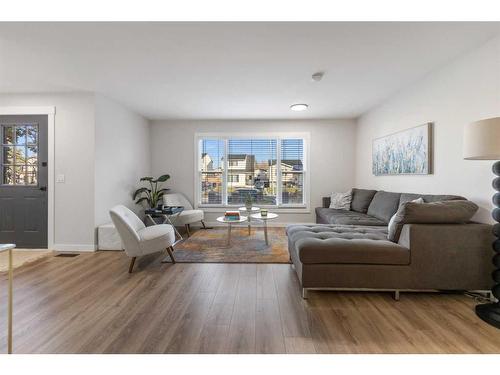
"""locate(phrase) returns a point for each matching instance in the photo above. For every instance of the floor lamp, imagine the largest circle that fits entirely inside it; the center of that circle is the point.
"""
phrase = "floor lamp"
(482, 142)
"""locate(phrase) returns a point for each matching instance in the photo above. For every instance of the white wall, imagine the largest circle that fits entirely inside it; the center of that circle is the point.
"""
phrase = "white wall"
(466, 90)
(331, 154)
(122, 156)
(74, 157)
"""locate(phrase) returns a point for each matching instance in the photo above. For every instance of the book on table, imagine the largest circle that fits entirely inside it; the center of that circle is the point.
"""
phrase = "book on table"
(232, 215)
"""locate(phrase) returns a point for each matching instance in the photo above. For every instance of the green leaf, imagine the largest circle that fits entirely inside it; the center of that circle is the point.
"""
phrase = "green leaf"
(163, 191)
(141, 200)
(146, 179)
(139, 191)
(163, 178)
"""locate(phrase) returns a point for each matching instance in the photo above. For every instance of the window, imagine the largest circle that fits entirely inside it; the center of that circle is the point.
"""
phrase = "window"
(233, 178)
(19, 156)
(211, 169)
(271, 170)
(292, 171)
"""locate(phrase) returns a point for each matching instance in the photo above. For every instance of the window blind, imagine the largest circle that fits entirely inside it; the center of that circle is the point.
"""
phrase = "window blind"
(292, 168)
(249, 172)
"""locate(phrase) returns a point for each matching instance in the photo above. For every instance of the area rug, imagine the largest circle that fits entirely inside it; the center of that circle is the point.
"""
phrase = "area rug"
(210, 246)
(21, 257)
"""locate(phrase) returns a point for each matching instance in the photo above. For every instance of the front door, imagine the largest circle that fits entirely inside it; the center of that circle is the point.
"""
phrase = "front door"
(23, 173)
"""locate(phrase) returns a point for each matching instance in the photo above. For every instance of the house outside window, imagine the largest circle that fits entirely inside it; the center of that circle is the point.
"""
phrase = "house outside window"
(270, 169)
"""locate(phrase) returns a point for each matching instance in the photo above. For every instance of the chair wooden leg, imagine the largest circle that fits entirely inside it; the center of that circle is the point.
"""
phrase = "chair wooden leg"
(187, 230)
(170, 251)
(204, 225)
(131, 267)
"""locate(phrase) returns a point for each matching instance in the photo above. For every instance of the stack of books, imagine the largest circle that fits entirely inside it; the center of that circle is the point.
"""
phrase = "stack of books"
(232, 216)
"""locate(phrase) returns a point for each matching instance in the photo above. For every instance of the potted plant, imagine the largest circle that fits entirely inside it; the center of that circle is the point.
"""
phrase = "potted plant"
(248, 202)
(153, 194)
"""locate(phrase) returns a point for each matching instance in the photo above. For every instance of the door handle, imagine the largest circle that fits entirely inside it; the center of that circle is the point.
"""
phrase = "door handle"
(43, 188)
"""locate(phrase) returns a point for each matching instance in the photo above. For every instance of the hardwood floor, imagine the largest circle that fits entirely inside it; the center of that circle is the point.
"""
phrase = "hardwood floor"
(90, 304)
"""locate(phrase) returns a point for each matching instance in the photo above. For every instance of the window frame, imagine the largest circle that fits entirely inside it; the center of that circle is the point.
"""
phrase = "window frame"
(304, 207)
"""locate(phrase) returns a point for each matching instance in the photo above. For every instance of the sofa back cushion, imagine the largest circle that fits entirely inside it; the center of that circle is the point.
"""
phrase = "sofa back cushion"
(383, 205)
(428, 198)
(446, 212)
(361, 199)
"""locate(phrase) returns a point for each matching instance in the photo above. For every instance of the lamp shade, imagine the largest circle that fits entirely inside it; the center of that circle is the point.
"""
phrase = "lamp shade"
(482, 140)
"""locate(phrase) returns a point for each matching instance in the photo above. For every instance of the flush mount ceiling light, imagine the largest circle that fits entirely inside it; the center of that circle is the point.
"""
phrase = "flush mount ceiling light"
(318, 76)
(299, 107)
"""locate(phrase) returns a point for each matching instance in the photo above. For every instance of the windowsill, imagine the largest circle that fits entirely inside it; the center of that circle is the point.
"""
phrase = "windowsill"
(295, 209)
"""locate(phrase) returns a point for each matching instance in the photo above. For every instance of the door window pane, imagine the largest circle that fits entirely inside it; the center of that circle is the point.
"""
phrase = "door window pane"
(20, 135)
(31, 175)
(8, 155)
(8, 135)
(32, 155)
(19, 175)
(8, 176)
(20, 155)
(32, 135)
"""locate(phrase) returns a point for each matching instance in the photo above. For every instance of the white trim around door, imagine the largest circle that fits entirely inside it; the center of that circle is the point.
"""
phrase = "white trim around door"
(50, 111)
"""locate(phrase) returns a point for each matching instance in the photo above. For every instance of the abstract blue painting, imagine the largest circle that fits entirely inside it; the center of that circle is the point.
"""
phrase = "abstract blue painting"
(404, 152)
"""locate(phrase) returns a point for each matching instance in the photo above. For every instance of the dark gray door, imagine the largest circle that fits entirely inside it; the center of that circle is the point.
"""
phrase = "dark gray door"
(23, 188)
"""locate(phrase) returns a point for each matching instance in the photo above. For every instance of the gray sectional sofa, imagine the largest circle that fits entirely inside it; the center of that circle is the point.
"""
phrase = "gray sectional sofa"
(351, 249)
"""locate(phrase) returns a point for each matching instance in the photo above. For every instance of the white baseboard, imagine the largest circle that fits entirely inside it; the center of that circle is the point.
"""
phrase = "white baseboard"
(21, 249)
(74, 248)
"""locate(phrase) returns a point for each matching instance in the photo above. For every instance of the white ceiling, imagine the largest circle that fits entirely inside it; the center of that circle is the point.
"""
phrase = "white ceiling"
(231, 70)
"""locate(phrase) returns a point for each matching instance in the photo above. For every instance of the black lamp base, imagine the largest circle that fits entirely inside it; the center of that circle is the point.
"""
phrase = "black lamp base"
(490, 313)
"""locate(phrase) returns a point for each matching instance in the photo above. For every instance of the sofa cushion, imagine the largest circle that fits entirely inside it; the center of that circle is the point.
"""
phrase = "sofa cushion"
(392, 222)
(333, 216)
(341, 201)
(428, 198)
(361, 199)
(383, 205)
(447, 212)
(343, 244)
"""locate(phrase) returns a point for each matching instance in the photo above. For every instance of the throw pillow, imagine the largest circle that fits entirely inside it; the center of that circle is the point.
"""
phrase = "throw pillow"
(341, 201)
(391, 227)
(445, 212)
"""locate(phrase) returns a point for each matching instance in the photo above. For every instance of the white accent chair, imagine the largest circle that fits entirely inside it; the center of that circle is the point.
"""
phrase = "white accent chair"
(189, 215)
(138, 239)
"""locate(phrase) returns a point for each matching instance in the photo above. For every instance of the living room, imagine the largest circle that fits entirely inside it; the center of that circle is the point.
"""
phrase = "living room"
(250, 188)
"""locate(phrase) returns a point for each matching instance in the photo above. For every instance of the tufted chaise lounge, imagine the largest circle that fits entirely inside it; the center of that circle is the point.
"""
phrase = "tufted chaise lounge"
(360, 257)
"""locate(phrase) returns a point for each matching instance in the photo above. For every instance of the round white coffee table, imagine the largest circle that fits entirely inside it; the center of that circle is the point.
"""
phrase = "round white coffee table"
(269, 216)
(249, 213)
(222, 219)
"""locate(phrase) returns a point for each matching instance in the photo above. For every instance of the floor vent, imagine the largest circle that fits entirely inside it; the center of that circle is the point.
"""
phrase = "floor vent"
(67, 255)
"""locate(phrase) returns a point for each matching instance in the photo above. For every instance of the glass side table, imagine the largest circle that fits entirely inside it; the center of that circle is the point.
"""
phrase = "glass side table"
(222, 219)
(249, 212)
(169, 215)
(269, 216)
